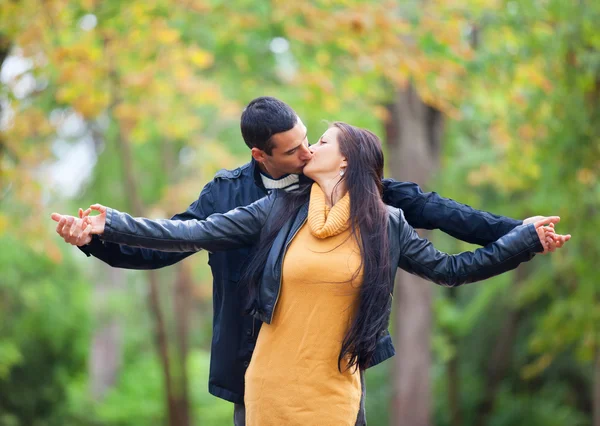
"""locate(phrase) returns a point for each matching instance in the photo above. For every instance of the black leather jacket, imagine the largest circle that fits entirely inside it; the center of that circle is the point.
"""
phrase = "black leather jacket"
(243, 226)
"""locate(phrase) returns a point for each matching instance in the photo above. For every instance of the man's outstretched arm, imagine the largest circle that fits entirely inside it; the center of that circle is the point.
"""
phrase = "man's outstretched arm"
(428, 210)
(120, 256)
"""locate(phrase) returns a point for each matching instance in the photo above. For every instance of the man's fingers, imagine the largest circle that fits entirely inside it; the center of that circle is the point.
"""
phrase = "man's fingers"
(85, 238)
(64, 226)
(74, 227)
(65, 231)
(73, 230)
(61, 222)
(77, 229)
(547, 220)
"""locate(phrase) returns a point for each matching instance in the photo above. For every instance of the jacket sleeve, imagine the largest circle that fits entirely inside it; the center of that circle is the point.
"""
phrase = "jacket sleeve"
(237, 228)
(122, 256)
(431, 211)
(419, 257)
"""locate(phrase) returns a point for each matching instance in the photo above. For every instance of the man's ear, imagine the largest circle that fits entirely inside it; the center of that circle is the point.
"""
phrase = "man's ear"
(258, 154)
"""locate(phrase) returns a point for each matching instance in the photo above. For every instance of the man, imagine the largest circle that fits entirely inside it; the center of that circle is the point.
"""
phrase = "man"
(278, 142)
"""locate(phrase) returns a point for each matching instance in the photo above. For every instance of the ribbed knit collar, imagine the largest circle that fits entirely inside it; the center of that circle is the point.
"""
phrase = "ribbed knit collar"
(286, 182)
(323, 221)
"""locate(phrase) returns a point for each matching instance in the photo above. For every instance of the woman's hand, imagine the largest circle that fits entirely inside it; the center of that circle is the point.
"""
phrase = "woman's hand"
(95, 224)
(548, 237)
(77, 231)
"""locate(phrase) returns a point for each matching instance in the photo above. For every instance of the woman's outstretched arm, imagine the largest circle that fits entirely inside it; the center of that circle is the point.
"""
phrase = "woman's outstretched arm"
(420, 257)
(237, 228)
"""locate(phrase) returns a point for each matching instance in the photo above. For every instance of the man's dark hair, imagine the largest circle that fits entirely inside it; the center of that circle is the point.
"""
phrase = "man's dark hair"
(263, 118)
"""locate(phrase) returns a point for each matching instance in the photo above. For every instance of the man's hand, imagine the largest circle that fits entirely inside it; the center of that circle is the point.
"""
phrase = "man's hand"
(72, 230)
(78, 231)
(548, 237)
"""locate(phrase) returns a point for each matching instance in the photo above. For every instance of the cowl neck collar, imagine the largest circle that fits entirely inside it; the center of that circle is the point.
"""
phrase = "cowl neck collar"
(324, 221)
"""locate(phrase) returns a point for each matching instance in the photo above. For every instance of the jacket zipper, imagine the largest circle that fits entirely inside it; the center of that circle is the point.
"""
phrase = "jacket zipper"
(281, 272)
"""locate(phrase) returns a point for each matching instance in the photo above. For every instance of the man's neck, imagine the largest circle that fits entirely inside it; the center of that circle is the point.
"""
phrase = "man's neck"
(264, 170)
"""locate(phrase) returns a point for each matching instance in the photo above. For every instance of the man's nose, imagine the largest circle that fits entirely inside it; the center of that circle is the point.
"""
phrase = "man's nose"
(307, 153)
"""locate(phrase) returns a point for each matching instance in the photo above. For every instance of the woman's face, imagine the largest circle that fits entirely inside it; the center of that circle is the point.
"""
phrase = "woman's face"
(327, 160)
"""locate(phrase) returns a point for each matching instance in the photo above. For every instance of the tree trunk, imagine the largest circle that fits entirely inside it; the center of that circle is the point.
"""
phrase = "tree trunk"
(596, 385)
(176, 418)
(105, 353)
(501, 354)
(453, 373)
(162, 346)
(413, 134)
(183, 310)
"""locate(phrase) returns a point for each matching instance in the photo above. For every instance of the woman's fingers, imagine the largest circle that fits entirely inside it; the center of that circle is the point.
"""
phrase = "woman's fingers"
(98, 207)
(549, 238)
(561, 240)
(546, 233)
(542, 237)
(551, 244)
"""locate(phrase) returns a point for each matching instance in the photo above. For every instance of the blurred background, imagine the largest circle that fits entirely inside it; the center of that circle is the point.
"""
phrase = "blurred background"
(136, 105)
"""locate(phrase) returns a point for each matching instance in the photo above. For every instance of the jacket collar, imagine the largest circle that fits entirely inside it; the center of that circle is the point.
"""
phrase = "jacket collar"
(256, 174)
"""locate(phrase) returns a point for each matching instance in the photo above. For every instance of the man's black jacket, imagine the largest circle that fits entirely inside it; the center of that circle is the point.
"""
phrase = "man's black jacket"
(234, 335)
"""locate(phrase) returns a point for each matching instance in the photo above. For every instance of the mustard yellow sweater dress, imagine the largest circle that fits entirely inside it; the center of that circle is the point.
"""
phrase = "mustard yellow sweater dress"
(293, 378)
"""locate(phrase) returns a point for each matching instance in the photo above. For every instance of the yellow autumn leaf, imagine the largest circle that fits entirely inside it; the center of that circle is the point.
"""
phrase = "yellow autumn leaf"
(89, 5)
(201, 58)
(125, 111)
(87, 106)
(167, 35)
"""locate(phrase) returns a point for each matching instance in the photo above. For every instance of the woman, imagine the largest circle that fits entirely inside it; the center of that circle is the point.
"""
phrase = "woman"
(322, 276)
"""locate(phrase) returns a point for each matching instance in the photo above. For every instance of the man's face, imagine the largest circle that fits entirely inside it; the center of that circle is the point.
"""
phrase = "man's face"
(290, 153)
